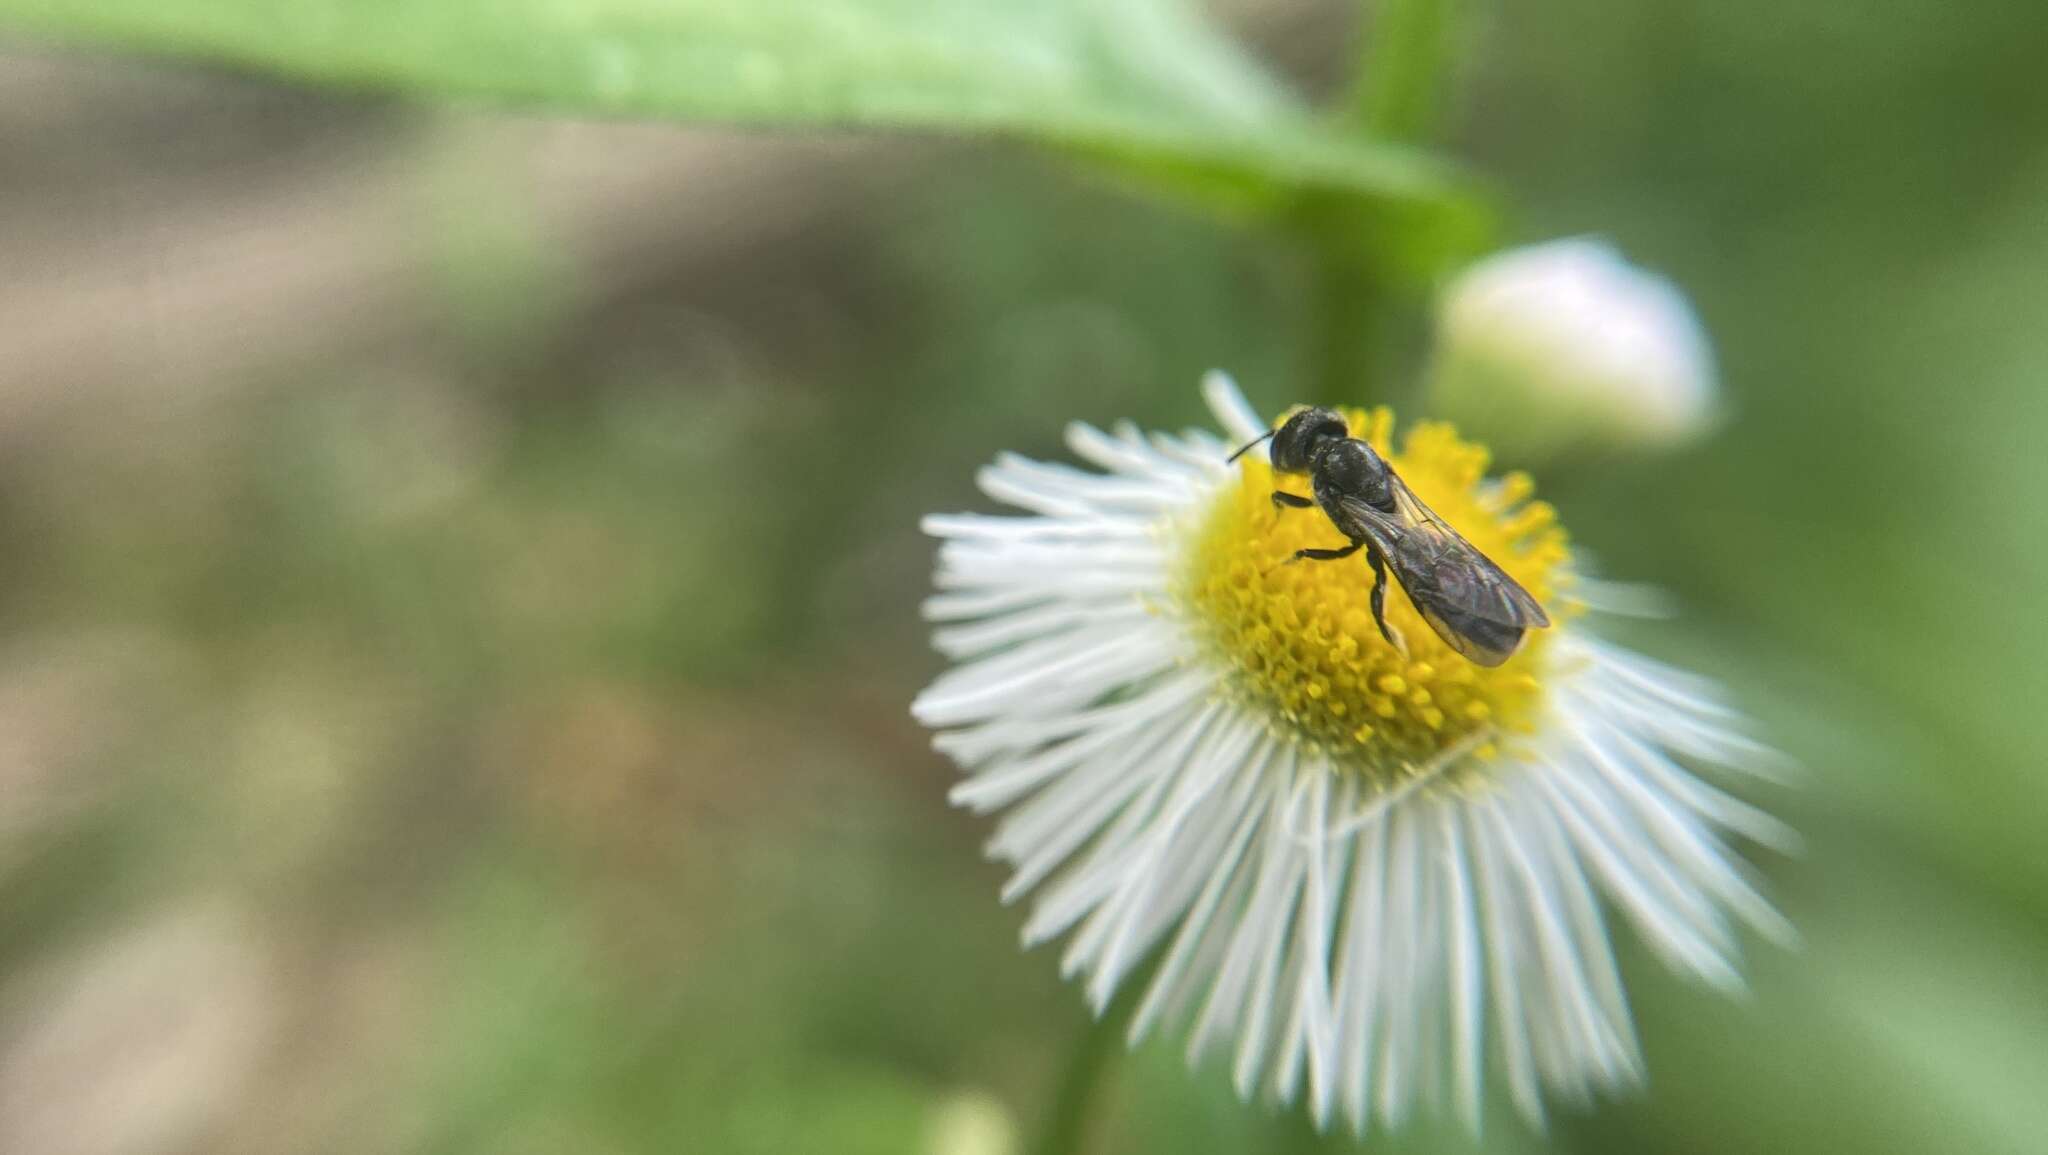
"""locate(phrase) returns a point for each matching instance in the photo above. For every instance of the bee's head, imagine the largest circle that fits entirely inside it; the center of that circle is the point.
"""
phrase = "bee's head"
(1296, 441)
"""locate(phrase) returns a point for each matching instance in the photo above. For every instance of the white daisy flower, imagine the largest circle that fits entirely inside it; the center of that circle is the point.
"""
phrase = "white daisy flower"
(1361, 870)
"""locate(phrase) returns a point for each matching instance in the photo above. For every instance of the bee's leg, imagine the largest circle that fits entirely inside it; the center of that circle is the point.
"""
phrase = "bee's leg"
(1323, 554)
(1379, 598)
(1284, 500)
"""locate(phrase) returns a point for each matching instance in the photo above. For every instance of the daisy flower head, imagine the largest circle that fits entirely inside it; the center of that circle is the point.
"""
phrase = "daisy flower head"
(1372, 870)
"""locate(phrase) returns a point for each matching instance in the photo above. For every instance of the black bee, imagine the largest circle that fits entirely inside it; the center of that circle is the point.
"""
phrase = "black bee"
(1473, 604)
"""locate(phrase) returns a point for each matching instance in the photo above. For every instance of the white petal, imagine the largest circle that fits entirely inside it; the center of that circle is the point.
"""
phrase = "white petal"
(1467, 1001)
(1239, 420)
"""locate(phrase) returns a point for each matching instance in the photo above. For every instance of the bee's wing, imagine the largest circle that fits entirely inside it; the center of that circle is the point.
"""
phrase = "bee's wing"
(1470, 602)
(1525, 609)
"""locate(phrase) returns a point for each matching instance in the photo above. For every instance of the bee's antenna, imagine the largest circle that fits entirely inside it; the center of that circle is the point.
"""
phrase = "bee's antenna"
(1248, 445)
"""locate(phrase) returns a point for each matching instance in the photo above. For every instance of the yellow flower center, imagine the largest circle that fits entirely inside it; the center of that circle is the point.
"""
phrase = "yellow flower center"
(1300, 639)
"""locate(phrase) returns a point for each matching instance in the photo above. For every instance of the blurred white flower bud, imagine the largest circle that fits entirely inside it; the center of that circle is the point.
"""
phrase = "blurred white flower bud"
(1565, 345)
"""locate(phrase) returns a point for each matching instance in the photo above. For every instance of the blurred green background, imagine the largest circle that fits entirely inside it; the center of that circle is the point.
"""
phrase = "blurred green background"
(461, 573)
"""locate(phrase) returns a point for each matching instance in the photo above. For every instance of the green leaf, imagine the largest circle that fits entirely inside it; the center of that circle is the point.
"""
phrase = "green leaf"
(1146, 84)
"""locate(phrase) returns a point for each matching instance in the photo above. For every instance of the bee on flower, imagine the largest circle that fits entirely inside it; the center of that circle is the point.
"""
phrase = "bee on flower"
(1364, 843)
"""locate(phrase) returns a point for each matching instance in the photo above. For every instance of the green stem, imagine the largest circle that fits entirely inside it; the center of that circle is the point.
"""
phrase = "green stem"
(1081, 1084)
(1350, 321)
(1405, 54)
(1397, 92)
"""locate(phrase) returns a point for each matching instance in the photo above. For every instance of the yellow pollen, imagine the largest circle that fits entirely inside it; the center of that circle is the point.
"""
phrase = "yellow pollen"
(1300, 638)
